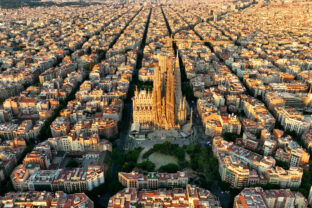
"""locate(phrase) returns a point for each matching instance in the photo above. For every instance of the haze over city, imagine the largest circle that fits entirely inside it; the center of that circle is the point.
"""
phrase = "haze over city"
(155, 103)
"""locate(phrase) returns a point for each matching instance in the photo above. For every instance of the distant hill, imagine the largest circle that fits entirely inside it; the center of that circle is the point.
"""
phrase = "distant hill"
(20, 3)
(11, 4)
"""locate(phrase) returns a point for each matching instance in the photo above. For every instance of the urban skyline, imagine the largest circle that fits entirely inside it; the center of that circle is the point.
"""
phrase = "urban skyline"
(154, 103)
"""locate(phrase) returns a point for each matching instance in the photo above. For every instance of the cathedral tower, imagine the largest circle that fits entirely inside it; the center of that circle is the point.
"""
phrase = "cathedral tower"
(169, 108)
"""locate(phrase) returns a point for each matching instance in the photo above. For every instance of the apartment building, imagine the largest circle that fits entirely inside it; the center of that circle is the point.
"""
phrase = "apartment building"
(190, 196)
(275, 198)
(153, 180)
(45, 199)
(32, 178)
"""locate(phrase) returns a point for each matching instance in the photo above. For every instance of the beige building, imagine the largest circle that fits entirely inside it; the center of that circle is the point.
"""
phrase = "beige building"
(285, 178)
(165, 106)
(45, 199)
(153, 180)
(274, 198)
(83, 142)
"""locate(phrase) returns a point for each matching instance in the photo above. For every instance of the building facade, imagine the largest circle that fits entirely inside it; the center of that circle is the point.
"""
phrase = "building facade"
(190, 196)
(45, 199)
(164, 107)
(277, 198)
(153, 180)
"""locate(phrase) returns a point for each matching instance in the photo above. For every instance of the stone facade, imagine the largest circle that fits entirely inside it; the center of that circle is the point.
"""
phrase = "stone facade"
(164, 107)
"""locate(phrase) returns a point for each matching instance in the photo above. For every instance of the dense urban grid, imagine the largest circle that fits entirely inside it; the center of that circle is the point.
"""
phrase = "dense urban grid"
(154, 103)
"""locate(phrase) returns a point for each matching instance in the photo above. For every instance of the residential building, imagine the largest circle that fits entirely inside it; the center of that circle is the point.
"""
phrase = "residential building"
(153, 180)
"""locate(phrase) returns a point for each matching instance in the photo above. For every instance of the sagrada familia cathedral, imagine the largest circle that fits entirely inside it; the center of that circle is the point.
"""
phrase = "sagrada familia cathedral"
(164, 107)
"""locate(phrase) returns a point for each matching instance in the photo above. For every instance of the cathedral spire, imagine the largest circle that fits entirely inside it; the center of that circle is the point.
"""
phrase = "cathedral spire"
(191, 120)
(184, 102)
(177, 63)
(164, 106)
(180, 105)
(136, 92)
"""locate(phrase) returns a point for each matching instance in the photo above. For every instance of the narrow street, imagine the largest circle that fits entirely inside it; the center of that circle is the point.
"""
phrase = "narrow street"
(126, 120)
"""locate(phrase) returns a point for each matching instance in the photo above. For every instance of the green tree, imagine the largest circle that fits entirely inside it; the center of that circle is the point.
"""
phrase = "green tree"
(72, 163)
(230, 136)
(169, 168)
(167, 148)
(224, 185)
(146, 165)
(9, 186)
